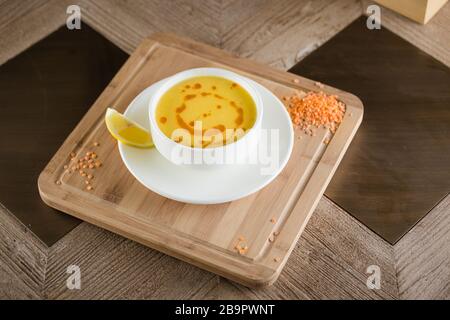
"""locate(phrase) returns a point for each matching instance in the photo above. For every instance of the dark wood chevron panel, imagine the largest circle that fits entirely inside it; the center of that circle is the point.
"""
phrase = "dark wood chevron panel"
(396, 169)
(44, 92)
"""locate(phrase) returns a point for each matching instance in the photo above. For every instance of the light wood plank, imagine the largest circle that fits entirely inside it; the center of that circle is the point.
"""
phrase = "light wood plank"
(423, 257)
(128, 23)
(23, 260)
(281, 33)
(113, 267)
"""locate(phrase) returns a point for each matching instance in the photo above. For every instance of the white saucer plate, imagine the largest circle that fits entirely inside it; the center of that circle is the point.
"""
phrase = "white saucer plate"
(211, 185)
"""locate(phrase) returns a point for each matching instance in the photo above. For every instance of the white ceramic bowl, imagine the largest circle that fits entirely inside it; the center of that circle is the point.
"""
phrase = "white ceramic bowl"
(233, 153)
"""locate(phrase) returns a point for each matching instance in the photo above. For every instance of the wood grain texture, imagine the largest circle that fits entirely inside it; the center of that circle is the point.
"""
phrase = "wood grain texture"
(433, 39)
(23, 260)
(277, 33)
(280, 33)
(199, 20)
(104, 260)
(116, 268)
(314, 271)
(423, 257)
(121, 204)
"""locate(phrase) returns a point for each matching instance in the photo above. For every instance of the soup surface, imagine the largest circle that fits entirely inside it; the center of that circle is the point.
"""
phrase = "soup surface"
(210, 110)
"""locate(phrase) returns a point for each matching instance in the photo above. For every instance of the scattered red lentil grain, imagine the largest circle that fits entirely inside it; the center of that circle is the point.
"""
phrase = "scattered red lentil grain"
(85, 162)
(241, 247)
(273, 220)
(276, 259)
(271, 238)
(58, 182)
(96, 144)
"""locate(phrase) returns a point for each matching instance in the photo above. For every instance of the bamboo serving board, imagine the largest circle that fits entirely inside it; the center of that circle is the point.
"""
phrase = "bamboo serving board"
(204, 235)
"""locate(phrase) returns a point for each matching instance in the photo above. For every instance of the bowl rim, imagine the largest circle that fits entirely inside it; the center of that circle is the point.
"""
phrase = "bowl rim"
(205, 71)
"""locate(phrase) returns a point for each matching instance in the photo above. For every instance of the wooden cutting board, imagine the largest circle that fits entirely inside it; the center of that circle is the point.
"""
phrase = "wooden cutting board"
(202, 235)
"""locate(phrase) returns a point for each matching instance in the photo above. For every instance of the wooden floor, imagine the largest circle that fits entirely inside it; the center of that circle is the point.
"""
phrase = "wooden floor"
(333, 254)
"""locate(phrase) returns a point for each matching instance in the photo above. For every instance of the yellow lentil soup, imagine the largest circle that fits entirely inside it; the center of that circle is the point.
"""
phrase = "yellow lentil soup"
(205, 104)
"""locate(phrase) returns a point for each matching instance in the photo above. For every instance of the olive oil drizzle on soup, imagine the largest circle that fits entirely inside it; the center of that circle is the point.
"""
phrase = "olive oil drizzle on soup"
(216, 102)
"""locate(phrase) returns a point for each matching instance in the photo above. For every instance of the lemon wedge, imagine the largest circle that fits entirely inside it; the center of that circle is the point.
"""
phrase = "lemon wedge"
(126, 130)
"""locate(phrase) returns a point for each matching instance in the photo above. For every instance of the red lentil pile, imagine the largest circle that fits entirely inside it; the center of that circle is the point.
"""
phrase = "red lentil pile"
(315, 109)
